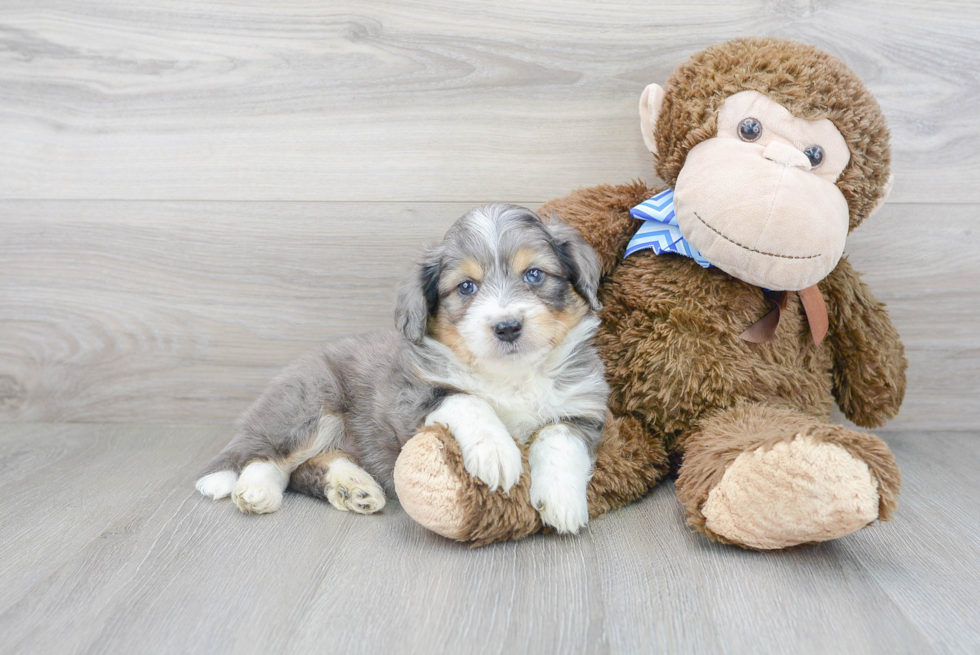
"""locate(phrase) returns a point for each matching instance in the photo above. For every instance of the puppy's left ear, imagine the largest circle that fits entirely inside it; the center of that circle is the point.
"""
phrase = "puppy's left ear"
(418, 297)
(578, 259)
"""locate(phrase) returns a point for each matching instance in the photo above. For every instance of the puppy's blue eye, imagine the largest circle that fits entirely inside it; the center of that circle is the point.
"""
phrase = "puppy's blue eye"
(467, 288)
(533, 276)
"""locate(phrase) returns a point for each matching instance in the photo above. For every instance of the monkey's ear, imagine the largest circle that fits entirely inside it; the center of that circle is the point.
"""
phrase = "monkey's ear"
(418, 297)
(884, 195)
(650, 102)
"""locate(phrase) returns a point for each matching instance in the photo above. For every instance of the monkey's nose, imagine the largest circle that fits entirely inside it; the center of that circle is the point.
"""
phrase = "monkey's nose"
(781, 153)
(507, 330)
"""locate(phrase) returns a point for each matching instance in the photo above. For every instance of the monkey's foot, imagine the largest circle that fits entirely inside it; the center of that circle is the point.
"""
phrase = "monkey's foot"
(799, 491)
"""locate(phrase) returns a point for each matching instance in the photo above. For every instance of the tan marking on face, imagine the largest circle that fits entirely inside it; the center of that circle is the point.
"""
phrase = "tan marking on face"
(445, 332)
(468, 269)
(526, 258)
(557, 328)
(522, 260)
(472, 269)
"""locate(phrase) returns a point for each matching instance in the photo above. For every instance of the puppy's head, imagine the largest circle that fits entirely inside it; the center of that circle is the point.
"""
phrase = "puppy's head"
(502, 285)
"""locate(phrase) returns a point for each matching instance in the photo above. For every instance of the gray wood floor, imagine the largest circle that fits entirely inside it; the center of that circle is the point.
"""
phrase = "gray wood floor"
(107, 548)
(192, 192)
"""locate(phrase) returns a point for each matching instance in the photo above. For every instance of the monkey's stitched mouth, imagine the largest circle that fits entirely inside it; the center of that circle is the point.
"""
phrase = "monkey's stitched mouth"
(760, 252)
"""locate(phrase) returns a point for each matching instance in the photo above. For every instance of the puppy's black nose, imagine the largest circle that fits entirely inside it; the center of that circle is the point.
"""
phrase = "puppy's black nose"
(507, 330)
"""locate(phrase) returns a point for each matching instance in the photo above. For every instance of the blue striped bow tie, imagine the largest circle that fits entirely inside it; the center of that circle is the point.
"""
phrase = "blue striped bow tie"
(659, 231)
(661, 234)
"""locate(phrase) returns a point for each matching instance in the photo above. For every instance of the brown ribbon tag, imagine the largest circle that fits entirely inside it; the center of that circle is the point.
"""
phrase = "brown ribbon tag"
(764, 329)
(816, 312)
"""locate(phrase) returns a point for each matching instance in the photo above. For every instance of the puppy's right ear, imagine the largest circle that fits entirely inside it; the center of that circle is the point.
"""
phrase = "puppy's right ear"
(418, 297)
(578, 260)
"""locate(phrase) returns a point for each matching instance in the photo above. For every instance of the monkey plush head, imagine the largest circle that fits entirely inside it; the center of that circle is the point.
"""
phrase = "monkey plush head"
(775, 151)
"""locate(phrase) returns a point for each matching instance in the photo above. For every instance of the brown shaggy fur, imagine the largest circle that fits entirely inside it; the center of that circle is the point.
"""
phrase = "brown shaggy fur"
(669, 338)
(680, 376)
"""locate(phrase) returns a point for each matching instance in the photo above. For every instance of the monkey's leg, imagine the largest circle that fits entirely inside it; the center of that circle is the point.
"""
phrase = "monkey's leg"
(767, 478)
(435, 489)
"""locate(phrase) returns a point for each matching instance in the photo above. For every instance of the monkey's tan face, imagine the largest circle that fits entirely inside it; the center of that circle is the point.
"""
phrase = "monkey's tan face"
(759, 199)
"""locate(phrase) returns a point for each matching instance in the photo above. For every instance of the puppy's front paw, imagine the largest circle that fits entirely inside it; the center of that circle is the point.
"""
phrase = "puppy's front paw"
(351, 488)
(560, 472)
(563, 507)
(493, 457)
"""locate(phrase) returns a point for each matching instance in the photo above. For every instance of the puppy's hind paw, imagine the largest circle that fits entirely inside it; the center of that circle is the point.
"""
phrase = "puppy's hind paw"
(257, 498)
(352, 489)
(217, 485)
(259, 488)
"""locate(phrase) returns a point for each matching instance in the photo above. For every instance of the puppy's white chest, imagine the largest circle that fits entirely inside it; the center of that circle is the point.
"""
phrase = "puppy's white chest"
(524, 406)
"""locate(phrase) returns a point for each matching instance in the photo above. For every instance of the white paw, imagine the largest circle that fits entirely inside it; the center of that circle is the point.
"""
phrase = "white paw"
(259, 488)
(217, 485)
(257, 498)
(489, 452)
(351, 488)
(560, 472)
(491, 456)
(563, 507)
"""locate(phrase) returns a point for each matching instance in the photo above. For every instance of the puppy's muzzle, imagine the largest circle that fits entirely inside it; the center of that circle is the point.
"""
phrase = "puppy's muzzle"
(507, 330)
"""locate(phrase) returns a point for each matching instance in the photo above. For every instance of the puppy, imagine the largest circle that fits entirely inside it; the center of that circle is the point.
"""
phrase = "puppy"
(493, 340)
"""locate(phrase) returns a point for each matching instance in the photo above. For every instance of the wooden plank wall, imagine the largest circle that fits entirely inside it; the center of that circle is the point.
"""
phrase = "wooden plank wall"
(192, 193)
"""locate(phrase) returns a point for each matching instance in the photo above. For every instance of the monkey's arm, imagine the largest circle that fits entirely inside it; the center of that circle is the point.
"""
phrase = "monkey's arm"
(869, 359)
(602, 214)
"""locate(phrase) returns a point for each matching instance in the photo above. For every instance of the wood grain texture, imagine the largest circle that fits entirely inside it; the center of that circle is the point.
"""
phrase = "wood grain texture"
(62, 488)
(167, 571)
(127, 296)
(427, 101)
(182, 311)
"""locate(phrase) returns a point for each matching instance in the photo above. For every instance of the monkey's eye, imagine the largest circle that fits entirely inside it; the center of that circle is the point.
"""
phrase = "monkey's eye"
(815, 155)
(533, 276)
(467, 288)
(750, 129)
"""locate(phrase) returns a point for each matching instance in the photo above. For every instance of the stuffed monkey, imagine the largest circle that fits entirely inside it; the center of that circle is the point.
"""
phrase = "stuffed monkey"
(731, 323)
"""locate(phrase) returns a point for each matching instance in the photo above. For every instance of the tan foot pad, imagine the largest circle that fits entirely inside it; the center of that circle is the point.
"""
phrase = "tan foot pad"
(797, 492)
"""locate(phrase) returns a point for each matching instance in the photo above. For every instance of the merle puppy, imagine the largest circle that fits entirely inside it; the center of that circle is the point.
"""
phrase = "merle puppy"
(493, 340)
